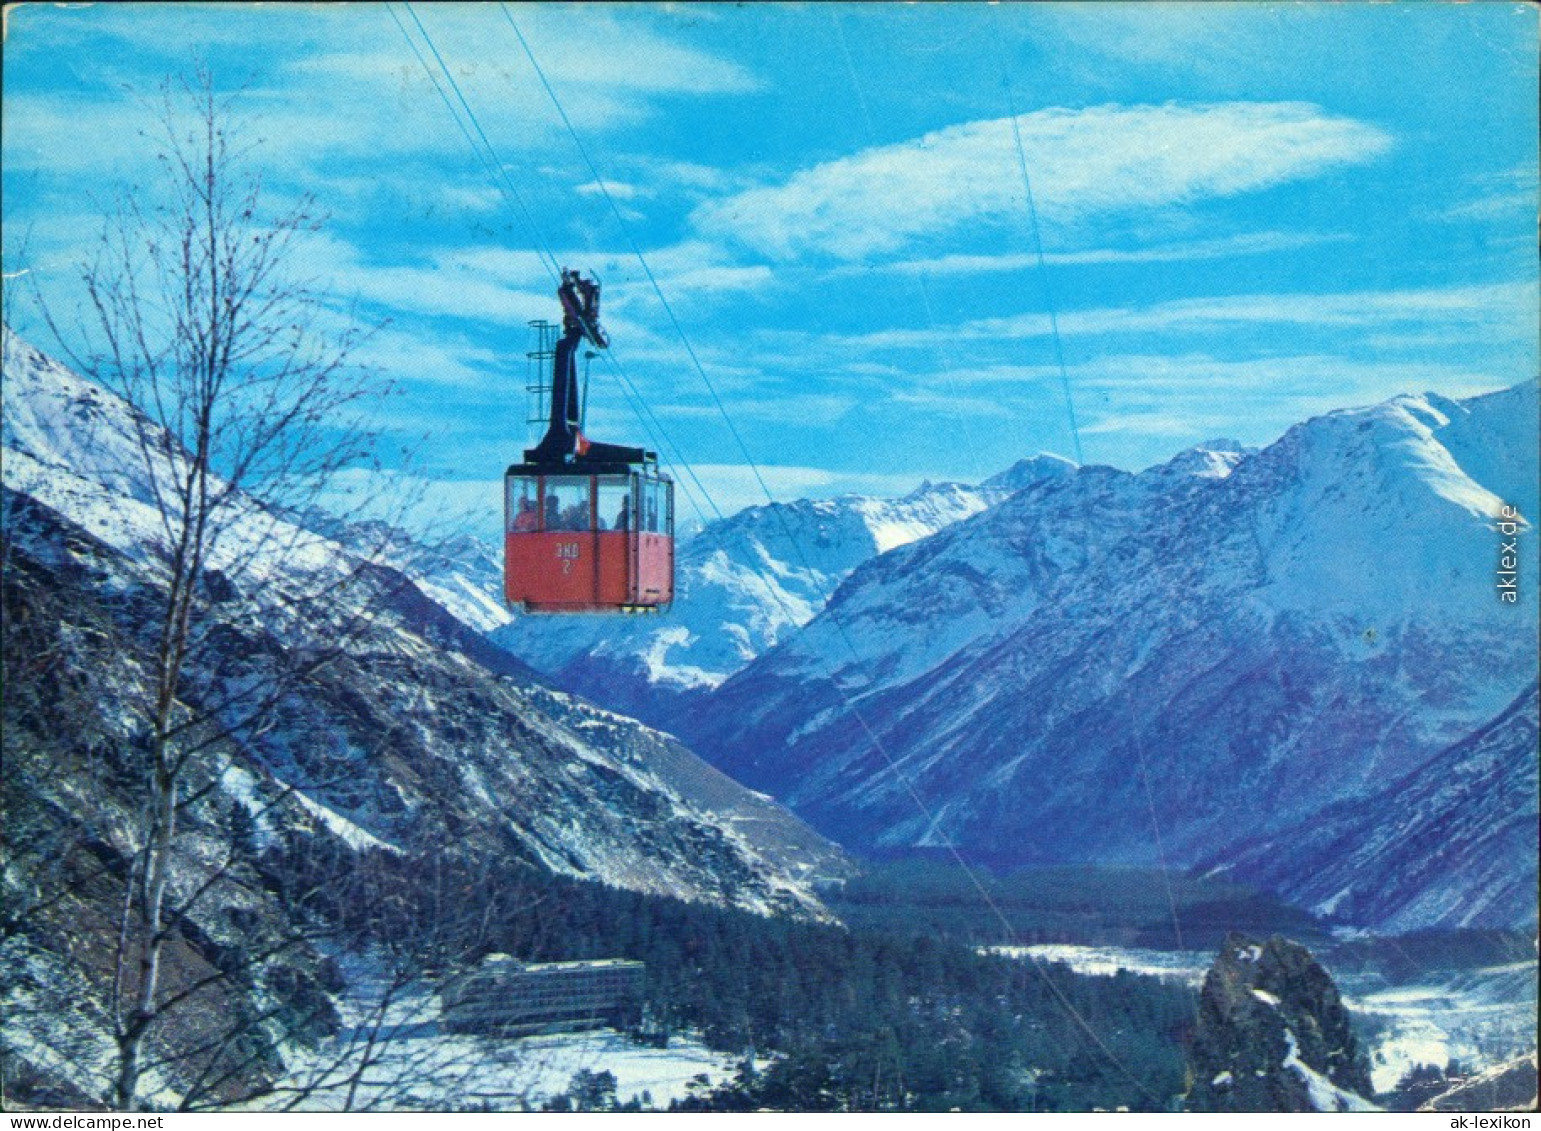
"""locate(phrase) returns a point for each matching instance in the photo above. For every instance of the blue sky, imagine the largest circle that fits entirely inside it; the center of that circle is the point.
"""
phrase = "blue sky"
(1248, 213)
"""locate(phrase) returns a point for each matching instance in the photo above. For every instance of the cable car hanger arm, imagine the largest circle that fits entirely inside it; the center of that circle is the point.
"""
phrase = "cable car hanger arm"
(564, 441)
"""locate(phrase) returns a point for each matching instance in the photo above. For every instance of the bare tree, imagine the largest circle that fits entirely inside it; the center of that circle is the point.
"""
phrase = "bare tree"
(244, 389)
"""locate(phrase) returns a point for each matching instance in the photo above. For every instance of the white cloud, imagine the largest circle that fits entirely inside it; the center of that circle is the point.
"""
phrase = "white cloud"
(615, 190)
(510, 288)
(687, 269)
(1495, 305)
(503, 288)
(1509, 195)
(1192, 396)
(65, 135)
(422, 360)
(1506, 309)
(1210, 37)
(692, 176)
(1253, 243)
(339, 81)
(1201, 377)
(615, 47)
(793, 409)
(1101, 159)
(1154, 424)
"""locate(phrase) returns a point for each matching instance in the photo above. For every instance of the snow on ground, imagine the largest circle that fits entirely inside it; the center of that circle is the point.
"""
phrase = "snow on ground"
(464, 601)
(1187, 966)
(392, 1054)
(352, 835)
(1325, 1095)
(420, 1067)
(1479, 1017)
(663, 1074)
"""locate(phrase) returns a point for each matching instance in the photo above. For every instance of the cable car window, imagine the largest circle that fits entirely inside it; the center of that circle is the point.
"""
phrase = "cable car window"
(523, 505)
(650, 505)
(614, 503)
(567, 503)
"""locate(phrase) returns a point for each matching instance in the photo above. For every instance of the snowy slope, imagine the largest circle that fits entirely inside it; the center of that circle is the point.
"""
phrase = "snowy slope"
(448, 532)
(80, 450)
(428, 728)
(1451, 845)
(1211, 649)
(742, 584)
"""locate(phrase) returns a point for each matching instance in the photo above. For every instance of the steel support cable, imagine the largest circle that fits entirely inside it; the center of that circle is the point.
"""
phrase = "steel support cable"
(1155, 825)
(1059, 357)
(504, 184)
(554, 267)
(1043, 270)
(792, 539)
(920, 275)
(625, 231)
(951, 848)
(654, 427)
(497, 168)
(1075, 431)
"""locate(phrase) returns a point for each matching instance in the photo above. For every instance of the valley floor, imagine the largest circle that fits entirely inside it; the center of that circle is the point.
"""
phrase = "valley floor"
(398, 1057)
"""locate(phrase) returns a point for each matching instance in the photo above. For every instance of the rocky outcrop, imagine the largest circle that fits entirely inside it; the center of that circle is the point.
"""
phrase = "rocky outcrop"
(1273, 1035)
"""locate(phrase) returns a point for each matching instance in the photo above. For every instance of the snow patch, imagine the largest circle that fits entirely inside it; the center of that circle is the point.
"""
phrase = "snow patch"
(1325, 1095)
(1185, 966)
(356, 838)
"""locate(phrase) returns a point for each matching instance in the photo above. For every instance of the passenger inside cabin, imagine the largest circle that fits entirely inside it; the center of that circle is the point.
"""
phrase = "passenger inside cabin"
(526, 519)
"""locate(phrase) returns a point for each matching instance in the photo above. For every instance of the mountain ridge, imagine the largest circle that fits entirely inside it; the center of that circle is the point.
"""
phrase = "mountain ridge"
(1106, 661)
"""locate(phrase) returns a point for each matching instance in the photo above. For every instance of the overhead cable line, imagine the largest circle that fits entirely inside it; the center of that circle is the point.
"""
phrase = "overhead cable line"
(636, 250)
(1064, 376)
(490, 157)
(553, 267)
(796, 544)
(933, 823)
(498, 170)
(920, 275)
(1043, 270)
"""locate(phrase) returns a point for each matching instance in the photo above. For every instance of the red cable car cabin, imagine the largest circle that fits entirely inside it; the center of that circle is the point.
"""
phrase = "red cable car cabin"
(588, 527)
(589, 538)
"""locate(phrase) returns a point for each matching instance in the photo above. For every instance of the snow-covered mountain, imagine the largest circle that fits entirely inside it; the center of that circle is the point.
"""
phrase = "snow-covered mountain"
(743, 583)
(428, 736)
(1129, 667)
(1452, 844)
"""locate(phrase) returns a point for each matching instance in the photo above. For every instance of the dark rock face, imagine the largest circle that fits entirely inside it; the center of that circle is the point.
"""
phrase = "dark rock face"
(1273, 1034)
